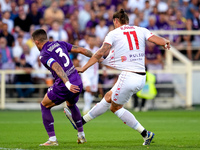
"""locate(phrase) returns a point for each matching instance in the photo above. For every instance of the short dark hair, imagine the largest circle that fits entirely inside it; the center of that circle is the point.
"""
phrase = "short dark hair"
(122, 16)
(39, 35)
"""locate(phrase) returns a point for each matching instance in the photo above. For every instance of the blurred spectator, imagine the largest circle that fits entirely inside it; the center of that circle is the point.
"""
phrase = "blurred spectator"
(153, 59)
(143, 23)
(6, 19)
(57, 32)
(17, 49)
(175, 39)
(125, 6)
(136, 4)
(136, 22)
(161, 22)
(109, 20)
(41, 6)
(1, 25)
(188, 39)
(22, 3)
(30, 54)
(95, 6)
(23, 79)
(64, 7)
(102, 11)
(5, 5)
(84, 16)
(92, 22)
(53, 13)
(183, 7)
(180, 20)
(39, 78)
(74, 6)
(101, 29)
(108, 4)
(83, 42)
(34, 14)
(9, 37)
(191, 9)
(152, 23)
(147, 10)
(6, 58)
(0, 12)
(22, 22)
(69, 27)
(196, 26)
(14, 8)
(29, 41)
(6, 51)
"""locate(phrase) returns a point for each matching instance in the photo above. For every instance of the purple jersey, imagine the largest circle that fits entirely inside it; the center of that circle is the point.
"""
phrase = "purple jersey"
(58, 51)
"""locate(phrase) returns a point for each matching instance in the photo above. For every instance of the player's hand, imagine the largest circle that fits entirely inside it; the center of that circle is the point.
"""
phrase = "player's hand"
(167, 45)
(79, 69)
(72, 88)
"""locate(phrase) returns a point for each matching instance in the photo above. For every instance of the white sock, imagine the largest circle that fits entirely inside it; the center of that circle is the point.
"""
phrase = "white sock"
(81, 134)
(88, 98)
(52, 138)
(97, 110)
(129, 119)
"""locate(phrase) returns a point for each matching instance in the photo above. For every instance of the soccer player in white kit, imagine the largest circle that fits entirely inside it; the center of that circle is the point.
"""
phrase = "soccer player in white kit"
(126, 46)
(91, 76)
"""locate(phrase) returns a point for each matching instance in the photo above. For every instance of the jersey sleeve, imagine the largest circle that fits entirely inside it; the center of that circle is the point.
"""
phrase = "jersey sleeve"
(67, 45)
(109, 38)
(47, 60)
(147, 33)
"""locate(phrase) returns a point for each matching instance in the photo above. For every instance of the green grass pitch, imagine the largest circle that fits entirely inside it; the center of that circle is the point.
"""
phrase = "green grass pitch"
(174, 130)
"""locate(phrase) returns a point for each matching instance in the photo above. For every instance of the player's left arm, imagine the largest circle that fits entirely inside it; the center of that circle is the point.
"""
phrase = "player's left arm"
(60, 72)
(78, 49)
(96, 57)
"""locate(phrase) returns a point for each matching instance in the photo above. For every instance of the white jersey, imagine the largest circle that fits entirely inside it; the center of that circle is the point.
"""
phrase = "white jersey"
(128, 48)
(93, 70)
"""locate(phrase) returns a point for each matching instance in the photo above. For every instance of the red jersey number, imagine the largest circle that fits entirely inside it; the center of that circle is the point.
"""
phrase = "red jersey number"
(129, 39)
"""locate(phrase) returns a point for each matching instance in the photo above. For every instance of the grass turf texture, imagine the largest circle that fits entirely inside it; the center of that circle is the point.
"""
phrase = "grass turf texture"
(175, 129)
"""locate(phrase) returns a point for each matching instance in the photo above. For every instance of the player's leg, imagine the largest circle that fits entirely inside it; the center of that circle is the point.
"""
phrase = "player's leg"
(88, 98)
(48, 121)
(122, 91)
(99, 108)
(76, 116)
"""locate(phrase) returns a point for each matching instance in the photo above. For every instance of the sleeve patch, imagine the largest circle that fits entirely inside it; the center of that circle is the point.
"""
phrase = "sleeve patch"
(50, 61)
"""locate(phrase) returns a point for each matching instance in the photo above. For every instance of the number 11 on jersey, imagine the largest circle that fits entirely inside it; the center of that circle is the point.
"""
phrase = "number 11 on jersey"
(129, 39)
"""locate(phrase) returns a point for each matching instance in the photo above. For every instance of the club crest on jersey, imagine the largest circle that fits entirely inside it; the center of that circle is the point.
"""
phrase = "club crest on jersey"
(123, 58)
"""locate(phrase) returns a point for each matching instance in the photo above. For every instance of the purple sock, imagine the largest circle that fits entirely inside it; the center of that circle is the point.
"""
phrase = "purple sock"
(48, 120)
(76, 116)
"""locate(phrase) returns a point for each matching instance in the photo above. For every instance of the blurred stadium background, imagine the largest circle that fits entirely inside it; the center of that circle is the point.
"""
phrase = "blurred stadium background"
(177, 71)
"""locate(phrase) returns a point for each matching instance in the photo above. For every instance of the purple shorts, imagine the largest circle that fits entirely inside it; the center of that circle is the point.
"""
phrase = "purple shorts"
(60, 95)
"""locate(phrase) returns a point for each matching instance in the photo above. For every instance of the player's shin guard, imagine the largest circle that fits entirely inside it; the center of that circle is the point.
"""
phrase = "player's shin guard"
(129, 119)
(48, 120)
(97, 110)
(76, 116)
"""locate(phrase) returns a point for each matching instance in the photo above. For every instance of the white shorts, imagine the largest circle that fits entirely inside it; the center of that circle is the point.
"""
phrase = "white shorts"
(91, 81)
(127, 84)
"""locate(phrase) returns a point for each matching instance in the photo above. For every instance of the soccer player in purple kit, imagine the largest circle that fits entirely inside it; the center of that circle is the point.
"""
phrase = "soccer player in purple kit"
(68, 85)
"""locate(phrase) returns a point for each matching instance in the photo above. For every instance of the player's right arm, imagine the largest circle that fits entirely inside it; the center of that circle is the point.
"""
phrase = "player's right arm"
(60, 72)
(78, 49)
